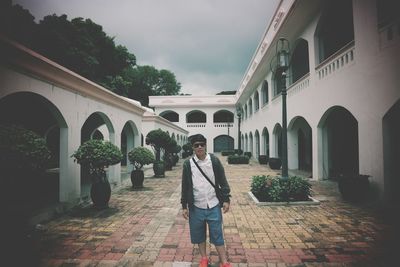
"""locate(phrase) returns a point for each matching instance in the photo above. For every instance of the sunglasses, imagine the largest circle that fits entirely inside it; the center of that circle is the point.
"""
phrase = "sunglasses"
(199, 145)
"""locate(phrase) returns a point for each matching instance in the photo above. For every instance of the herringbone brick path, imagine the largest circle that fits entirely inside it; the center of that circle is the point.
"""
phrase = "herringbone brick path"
(145, 228)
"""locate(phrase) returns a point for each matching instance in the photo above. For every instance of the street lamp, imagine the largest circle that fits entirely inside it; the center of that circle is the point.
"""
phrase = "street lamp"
(239, 115)
(282, 64)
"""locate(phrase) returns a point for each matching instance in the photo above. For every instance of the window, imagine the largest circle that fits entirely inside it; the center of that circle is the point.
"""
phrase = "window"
(256, 101)
(172, 116)
(223, 116)
(264, 91)
(337, 17)
(195, 116)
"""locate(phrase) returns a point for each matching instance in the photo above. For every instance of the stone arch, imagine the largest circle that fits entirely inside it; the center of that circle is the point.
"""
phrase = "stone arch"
(265, 142)
(300, 144)
(37, 113)
(339, 140)
(96, 120)
(391, 154)
(223, 143)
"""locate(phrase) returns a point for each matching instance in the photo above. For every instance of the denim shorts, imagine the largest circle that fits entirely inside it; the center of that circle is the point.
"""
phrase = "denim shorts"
(198, 220)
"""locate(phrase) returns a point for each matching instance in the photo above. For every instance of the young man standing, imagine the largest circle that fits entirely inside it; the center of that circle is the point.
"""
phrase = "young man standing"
(199, 200)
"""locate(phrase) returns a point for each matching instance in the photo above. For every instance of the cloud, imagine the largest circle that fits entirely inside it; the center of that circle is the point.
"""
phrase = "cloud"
(208, 44)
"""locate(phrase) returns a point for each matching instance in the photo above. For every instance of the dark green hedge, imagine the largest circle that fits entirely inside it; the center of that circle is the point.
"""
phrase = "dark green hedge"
(235, 159)
(276, 189)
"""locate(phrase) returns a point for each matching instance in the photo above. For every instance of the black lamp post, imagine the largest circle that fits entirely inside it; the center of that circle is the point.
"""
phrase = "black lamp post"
(239, 115)
(282, 54)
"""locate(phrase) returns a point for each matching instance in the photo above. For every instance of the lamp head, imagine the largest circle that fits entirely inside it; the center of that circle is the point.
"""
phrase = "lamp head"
(282, 52)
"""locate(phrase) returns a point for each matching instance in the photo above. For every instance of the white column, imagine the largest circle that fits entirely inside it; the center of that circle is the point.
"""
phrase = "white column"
(70, 187)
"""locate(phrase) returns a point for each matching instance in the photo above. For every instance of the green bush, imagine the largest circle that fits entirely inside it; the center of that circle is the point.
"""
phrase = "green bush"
(227, 152)
(248, 154)
(97, 155)
(276, 189)
(22, 150)
(140, 156)
(235, 159)
(238, 152)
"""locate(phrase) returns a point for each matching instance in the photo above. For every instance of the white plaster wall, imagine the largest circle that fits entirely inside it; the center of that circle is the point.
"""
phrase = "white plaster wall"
(208, 129)
(74, 109)
(367, 87)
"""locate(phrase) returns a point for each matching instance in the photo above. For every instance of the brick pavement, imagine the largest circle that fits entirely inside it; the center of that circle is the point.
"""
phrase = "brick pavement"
(145, 228)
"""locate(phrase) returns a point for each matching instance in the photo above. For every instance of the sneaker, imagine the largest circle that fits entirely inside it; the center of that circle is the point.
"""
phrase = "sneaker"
(226, 264)
(203, 262)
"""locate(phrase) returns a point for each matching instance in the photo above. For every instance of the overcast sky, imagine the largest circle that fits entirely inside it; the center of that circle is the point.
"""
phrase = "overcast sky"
(207, 44)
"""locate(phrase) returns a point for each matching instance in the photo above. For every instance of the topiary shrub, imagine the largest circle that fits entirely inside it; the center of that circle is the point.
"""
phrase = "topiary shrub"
(140, 156)
(276, 189)
(97, 155)
(22, 150)
(235, 159)
(187, 150)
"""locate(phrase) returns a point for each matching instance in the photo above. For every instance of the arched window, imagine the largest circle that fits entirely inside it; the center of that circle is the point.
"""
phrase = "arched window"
(335, 28)
(299, 62)
(250, 107)
(256, 101)
(195, 116)
(172, 116)
(278, 82)
(264, 92)
(223, 116)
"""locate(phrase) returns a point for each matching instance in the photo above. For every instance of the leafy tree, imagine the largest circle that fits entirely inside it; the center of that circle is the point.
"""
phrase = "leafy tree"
(227, 93)
(17, 23)
(82, 46)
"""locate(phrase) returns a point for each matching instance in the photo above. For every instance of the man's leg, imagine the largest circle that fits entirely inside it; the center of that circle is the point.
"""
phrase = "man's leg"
(202, 249)
(221, 253)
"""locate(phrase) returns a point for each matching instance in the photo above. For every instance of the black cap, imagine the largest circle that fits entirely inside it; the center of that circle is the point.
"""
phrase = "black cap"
(197, 138)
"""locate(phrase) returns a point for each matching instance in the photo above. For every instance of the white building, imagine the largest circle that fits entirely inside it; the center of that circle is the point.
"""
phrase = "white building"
(67, 110)
(343, 90)
(343, 102)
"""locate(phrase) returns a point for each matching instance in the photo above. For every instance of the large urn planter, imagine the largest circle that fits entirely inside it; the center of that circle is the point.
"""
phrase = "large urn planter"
(100, 192)
(137, 178)
(263, 159)
(354, 187)
(159, 169)
(96, 155)
(275, 163)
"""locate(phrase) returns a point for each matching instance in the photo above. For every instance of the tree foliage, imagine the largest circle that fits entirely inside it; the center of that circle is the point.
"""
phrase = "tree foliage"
(82, 46)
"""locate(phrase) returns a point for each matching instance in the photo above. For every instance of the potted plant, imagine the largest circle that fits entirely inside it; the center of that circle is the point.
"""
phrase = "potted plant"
(275, 163)
(169, 149)
(275, 189)
(98, 155)
(354, 187)
(24, 156)
(139, 156)
(187, 150)
(263, 159)
(158, 140)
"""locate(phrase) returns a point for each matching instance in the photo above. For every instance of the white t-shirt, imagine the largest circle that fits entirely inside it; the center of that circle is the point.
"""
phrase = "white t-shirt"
(203, 191)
